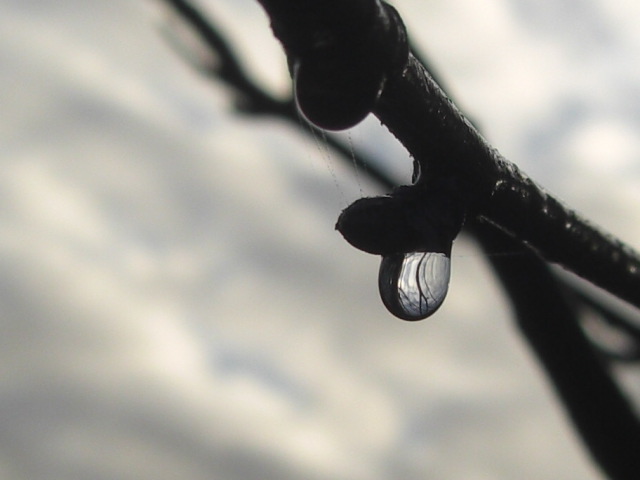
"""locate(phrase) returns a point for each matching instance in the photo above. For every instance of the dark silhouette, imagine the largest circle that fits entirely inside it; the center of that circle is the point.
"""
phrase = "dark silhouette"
(504, 209)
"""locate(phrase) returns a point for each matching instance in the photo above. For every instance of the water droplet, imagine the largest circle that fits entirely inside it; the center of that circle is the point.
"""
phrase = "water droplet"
(414, 285)
(336, 95)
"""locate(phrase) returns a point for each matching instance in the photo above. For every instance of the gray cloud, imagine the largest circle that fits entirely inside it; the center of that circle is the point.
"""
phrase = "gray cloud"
(175, 303)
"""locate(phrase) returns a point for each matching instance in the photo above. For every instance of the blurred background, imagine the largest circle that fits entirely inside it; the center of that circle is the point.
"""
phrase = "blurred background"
(175, 302)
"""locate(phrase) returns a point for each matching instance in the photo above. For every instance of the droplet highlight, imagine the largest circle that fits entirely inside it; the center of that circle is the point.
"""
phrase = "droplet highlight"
(414, 285)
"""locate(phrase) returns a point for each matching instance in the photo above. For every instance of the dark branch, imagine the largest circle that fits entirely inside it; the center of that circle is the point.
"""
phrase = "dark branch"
(251, 98)
(433, 130)
(599, 410)
(547, 320)
(253, 101)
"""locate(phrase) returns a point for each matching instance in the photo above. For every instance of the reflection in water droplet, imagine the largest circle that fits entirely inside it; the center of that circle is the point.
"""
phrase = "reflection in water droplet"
(413, 285)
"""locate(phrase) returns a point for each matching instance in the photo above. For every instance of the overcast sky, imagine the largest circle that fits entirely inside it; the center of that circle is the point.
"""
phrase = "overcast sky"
(175, 302)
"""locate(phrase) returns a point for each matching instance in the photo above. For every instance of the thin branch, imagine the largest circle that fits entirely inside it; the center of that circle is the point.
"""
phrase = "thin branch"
(254, 99)
(598, 408)
(251, 98)
(437, 135)
(622, 324)
(586, 401)
(254, 102)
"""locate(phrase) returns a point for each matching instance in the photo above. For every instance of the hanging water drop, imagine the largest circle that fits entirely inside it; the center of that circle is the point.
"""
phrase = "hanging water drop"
(413, 228)
(414, 285)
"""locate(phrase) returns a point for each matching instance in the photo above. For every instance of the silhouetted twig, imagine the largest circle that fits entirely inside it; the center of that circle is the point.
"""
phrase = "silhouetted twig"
(438, 136)
(599, 410)
(546, 315)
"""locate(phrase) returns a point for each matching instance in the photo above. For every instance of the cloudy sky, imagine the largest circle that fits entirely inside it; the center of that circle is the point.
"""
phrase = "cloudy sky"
(175, 302)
